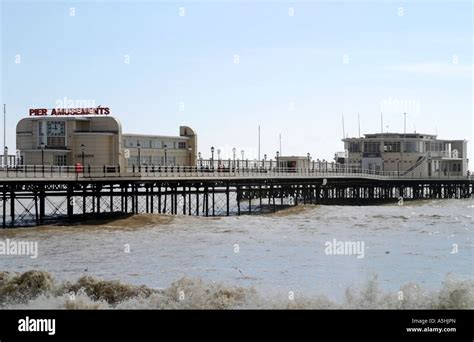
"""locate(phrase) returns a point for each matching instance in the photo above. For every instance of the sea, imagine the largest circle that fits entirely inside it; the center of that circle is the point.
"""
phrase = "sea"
(419, 255)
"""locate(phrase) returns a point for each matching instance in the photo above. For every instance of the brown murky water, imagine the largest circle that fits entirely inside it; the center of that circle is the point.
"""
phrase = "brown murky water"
(424, 249)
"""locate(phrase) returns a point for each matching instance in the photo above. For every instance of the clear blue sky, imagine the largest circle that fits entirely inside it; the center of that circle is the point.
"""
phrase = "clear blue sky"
(292, 75)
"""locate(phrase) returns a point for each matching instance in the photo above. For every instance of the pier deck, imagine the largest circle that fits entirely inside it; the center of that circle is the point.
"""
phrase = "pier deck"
(35, 196)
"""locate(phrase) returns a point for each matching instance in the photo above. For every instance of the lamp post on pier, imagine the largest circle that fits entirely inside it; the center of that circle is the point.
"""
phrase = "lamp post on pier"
(190, 149)
(139, 158)
(234, 151)
(82, 154)
(42, 153)
(212, 157)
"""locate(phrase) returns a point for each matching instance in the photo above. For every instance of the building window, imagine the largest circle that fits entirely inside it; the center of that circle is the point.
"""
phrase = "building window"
(56, 133)
(145, 143)
(354, 146)
(56, 128)
(371, 147)
(170, 160)
(182, 144)
(130, 143)
(434, 146)
(41, 134)
(390, 146)
(169, 144)
(60, 160)
(410, 147)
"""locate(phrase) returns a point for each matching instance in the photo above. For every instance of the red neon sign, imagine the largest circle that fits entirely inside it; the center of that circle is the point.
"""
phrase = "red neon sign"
(70, 111)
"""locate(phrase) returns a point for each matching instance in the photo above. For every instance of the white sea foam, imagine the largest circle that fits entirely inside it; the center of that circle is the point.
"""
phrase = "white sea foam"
(39, 290)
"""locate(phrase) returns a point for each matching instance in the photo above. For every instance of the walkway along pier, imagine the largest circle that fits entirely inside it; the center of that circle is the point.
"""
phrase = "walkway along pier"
(35, 195)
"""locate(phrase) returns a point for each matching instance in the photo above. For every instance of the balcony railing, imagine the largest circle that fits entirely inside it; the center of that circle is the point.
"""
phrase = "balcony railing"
(442, 154)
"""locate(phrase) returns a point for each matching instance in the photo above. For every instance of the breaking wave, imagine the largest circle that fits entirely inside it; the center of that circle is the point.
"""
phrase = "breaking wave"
(39, 290)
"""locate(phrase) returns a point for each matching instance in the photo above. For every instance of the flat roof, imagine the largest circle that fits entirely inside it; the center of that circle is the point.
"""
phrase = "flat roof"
(401, 136)
(390, 135)
(383, 135)
(137, 135)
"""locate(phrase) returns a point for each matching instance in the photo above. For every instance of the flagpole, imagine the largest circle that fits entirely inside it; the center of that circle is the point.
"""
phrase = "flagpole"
(5, 153)
(358, 122)
(343, 128)
(280, 145)
(259, 142)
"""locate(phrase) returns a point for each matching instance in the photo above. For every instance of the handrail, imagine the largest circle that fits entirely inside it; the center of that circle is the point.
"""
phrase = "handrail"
(159, 171)
(420, 161)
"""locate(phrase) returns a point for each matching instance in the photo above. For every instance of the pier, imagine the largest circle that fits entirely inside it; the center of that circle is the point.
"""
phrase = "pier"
(36, 195)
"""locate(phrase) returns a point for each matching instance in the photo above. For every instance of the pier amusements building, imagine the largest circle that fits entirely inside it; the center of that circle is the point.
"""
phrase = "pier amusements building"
(91, 137)
(407, 153)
